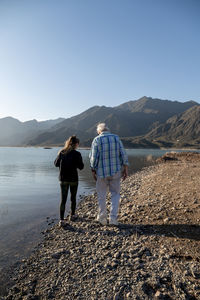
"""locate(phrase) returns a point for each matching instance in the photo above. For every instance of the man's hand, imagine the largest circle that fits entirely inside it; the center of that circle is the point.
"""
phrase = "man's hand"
(125, 172)
(94, 175)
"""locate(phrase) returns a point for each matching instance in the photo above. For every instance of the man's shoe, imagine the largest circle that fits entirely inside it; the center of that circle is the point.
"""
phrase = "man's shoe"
(113, 222)
(102, 220)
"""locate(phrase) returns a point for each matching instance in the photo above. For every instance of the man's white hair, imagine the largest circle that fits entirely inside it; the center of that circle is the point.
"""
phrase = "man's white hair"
(102, 127)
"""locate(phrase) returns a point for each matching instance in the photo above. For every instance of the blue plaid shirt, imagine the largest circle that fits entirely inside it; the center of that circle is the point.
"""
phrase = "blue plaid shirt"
(107, 154)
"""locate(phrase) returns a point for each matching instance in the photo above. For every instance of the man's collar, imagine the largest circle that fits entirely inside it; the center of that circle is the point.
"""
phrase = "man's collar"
(104, 132)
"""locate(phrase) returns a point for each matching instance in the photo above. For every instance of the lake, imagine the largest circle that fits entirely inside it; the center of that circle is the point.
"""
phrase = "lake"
(30, 194)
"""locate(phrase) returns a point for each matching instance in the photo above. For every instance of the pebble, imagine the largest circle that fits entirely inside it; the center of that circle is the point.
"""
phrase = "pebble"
(143, 258)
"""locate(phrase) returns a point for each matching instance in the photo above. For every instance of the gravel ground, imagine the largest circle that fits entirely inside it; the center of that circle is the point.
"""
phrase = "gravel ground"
(154, 253)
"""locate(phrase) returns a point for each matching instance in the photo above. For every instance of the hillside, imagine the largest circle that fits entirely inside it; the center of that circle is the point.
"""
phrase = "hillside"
(145, 123)
(155, 106)
(16, 133)
(131, 119)
(181, 130)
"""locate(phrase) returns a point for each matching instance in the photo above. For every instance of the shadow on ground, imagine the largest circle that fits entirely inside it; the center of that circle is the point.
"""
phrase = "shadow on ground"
(183, 231)
(179, 231)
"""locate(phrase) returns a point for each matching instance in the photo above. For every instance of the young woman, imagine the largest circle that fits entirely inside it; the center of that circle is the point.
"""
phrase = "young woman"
(68, 161)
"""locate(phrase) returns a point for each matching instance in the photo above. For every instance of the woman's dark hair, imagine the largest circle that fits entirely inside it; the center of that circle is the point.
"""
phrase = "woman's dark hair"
(70, 144)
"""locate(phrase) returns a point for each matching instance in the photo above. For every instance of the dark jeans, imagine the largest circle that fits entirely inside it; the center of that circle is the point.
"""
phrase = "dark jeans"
(64, 192)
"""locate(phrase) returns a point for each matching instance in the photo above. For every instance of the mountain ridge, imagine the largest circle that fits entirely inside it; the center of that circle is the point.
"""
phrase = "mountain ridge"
(139, 123)
(16, 133)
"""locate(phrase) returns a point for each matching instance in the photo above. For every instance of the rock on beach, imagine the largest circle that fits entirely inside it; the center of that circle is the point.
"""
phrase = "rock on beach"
(154, 253)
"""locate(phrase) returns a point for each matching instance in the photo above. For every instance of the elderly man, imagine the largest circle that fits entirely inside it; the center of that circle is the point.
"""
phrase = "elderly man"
(108, 161)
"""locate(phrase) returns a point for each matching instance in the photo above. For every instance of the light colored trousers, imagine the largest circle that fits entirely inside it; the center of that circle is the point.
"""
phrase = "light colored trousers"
(102, 184)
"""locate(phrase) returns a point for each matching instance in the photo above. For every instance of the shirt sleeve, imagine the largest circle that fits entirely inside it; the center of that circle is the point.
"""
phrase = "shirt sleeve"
(123, 154)
(80, 164)
(94, 155)
(57, 160)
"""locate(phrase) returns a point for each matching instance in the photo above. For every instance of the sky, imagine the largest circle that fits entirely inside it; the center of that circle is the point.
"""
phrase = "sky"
(61, 57)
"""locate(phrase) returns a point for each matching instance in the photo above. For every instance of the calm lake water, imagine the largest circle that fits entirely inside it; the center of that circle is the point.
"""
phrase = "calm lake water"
(30, 194)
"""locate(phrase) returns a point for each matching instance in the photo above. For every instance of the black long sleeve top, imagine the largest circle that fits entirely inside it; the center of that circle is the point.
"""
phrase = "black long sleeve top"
(68, 164)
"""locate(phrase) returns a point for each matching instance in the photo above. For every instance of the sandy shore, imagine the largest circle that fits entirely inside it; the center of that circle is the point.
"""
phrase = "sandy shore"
(154, 253)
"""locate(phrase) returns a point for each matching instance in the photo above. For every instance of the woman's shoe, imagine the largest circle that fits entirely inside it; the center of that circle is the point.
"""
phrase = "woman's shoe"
(73, 217)
(62, 223)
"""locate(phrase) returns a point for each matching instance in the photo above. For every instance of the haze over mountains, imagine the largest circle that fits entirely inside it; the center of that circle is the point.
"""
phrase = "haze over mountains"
(16, 133)
(145, 122)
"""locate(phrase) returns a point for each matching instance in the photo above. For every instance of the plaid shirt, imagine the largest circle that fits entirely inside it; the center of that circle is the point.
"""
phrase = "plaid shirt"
(107, 154)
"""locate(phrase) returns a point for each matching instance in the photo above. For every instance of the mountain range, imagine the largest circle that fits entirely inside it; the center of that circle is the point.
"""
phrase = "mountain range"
(16, 133)
(145, 122)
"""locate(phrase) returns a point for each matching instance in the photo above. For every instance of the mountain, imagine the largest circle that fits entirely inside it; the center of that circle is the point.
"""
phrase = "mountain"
(181, 130)
(15, 133)
(154, 105)
(145, 122)
(82, 125)
(131, 119)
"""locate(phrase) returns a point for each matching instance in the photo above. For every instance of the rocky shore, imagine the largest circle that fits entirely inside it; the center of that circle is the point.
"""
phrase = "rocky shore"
(154, 253)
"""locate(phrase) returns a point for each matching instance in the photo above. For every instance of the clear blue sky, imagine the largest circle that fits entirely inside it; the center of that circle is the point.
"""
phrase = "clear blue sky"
(60, 57)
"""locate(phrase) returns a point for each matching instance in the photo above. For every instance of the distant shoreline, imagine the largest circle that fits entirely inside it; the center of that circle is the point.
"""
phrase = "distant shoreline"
(131, 148)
